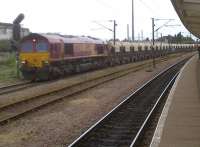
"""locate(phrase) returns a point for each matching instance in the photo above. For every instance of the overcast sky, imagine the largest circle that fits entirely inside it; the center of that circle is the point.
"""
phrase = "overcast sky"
(76, 17)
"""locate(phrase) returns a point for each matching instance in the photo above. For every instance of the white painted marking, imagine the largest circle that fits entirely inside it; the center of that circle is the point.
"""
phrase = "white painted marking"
(159, 129)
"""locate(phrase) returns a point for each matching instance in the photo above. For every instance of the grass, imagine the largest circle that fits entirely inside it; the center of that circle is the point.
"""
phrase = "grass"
(4, 45)
(8, 70)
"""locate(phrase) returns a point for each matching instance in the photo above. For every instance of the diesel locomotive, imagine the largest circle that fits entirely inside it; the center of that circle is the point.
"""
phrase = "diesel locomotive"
(46, 56)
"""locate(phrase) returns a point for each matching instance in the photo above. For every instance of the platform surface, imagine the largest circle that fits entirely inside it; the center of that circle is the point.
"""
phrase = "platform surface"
(179, 125)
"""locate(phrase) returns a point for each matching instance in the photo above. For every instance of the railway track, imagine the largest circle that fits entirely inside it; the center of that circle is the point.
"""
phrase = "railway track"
(15, 87)
(17, 108)
(24, 85)
(124, 125)
(20, 86)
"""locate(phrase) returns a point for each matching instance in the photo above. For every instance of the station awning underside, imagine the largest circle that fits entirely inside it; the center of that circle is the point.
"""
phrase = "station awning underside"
(189, 13)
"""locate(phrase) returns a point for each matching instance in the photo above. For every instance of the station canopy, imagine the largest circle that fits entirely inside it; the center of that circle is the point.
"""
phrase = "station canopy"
(189, 13)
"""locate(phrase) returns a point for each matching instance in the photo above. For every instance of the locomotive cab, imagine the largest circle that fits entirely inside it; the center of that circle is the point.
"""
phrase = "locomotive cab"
(34, 56)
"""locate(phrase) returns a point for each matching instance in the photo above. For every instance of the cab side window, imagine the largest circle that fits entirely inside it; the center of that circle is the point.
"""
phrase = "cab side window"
(55, 50)
(68, 49)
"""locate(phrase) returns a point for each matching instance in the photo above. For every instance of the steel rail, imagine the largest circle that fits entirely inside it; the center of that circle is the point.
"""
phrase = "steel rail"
(33, 103)
(165, 91)
(13, 87)
(27, 105)
(97, 124)
(21, 86)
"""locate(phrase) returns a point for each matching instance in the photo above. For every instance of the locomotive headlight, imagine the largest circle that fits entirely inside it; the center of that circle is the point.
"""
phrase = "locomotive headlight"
(45, 62)
(23, 62)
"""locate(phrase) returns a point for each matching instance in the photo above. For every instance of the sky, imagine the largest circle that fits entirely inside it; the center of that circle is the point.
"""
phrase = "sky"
(80, 17)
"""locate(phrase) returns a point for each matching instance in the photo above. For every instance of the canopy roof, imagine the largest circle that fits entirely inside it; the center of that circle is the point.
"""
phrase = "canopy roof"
(189, 13)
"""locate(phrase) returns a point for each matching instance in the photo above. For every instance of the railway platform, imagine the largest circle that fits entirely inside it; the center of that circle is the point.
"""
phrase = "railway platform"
(179, 124)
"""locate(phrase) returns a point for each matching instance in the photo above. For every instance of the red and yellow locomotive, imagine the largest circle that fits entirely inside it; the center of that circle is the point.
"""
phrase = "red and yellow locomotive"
(44, 56)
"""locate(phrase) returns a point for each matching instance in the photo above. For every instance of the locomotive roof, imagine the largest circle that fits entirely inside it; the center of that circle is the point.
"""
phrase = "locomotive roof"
(67, 39)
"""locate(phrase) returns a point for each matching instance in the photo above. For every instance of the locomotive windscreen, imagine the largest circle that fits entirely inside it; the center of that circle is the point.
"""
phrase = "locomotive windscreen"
(41, 46)
(34, 46)
(27, 46)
